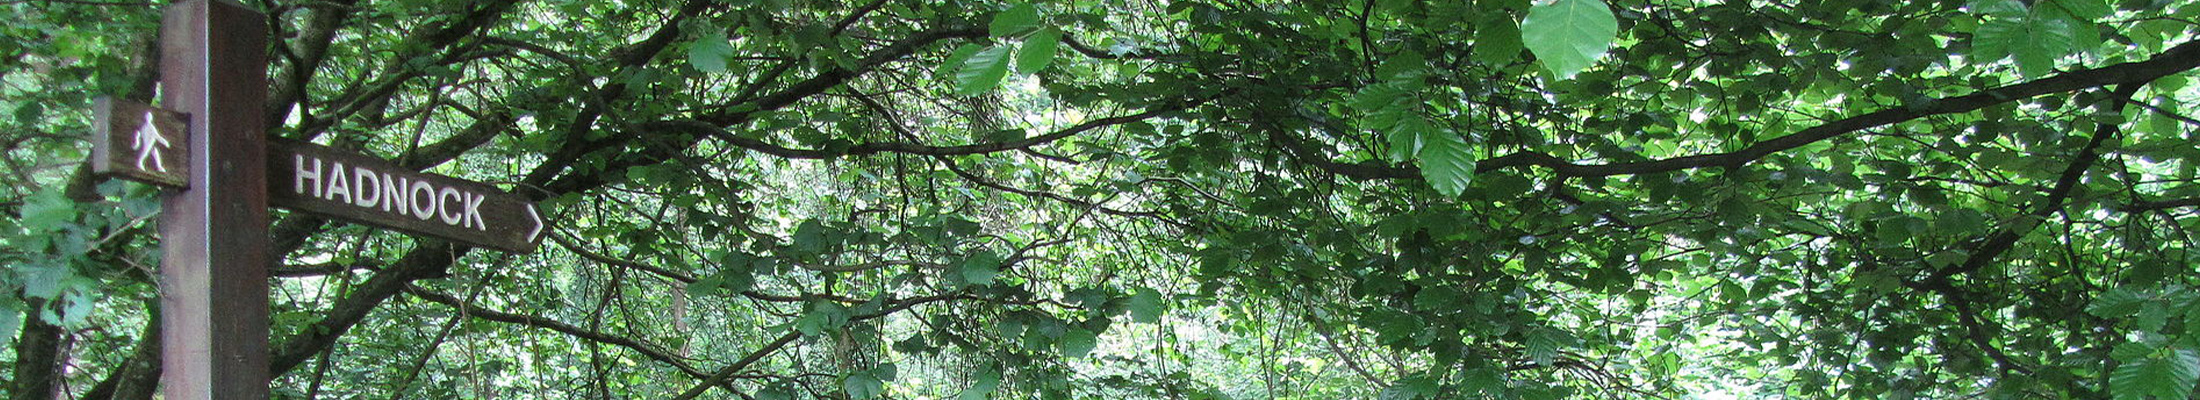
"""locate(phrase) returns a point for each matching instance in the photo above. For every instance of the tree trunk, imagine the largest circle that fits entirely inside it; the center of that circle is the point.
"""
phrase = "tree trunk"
(37, 365)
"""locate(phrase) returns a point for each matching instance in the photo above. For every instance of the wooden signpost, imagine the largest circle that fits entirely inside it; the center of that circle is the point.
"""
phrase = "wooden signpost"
(209, 146)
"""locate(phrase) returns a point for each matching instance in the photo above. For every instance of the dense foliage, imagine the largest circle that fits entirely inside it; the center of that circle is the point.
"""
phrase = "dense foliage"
(1315, 199)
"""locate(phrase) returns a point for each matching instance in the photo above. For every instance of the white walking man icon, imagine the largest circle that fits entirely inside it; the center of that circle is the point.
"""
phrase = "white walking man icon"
(148, 144)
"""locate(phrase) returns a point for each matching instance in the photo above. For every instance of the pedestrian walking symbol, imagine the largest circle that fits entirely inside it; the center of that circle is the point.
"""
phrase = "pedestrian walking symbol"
(149, 144)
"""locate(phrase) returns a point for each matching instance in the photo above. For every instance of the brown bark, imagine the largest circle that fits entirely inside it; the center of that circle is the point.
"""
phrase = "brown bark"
(37, 357)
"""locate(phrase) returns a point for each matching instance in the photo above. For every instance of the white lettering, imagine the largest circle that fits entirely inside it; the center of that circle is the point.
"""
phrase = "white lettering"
(391, 193)
(445, 199)
(473, 212)
(370, 188)
(298, 180)
(394, 195)
(338, 185)
(421, 191)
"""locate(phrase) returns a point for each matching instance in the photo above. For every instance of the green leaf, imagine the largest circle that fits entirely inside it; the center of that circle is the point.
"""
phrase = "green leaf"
(885, 372)
(2163, 124)
(2084, 10)
(1947, 258)
(822, 316)
(1015, 20)
(777, 391)
(1038, 50)
(987, 380)
(1416, 387)
(1447, 162)
(956, 59)
(1406, 65)
(705, 287)
(1391, 326)
(43, 280)
(1497, 41)
(1545, 344)
(2035, 41)
(1076, 343)
(30, 113)
(2162, 374)
(2130, 352)
(862, 385)
(77, 304)
(1146, 305)
(709, 54)
(2116, 303)
(47, 210)
(2152, 316)
(11, 318)
(810, 238)
(1407, 137)
(1999, 8)
(983, 71)
(1489, 380)
(981, 268)
(1569, 35)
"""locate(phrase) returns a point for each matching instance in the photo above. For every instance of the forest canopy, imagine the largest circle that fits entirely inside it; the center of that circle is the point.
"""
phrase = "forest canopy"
(1219, 199)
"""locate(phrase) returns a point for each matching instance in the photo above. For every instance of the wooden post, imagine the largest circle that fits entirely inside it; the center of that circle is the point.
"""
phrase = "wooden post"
(214, 232)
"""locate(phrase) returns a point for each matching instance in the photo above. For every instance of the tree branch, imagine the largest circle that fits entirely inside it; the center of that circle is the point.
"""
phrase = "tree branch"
(2162, 204)
(851, 19)
(686, 278)
(2005, 238)
(656, 151)
(360, 98)
(310, 49)
(2164, 113)
(1976, 329)
(1075, 202)
(645, 349)
(720, 377)
(429, 260)
(693, 126)
(2178, 59)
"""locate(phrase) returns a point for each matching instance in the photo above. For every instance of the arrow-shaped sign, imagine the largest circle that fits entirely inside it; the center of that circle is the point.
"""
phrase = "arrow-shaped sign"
(320, 180)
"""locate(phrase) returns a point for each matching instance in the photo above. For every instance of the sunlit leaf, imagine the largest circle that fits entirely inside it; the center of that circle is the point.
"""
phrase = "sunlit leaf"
(1016, 19)
(2035, 41)
(2115, 303)
(863, 385)
(1408, 137)
(983, 71)
(981, 268)
(1076, 343)
(1038, 50)
(1497, 41)
(1569, 35)
(709, 54)
(47, 210)
(1447, 162)
(2159, 374)
(1146, 305)
(11, 319)
(982, 387)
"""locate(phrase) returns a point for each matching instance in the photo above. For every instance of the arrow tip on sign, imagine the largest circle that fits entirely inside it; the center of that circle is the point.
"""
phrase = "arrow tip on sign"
(535, 235)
